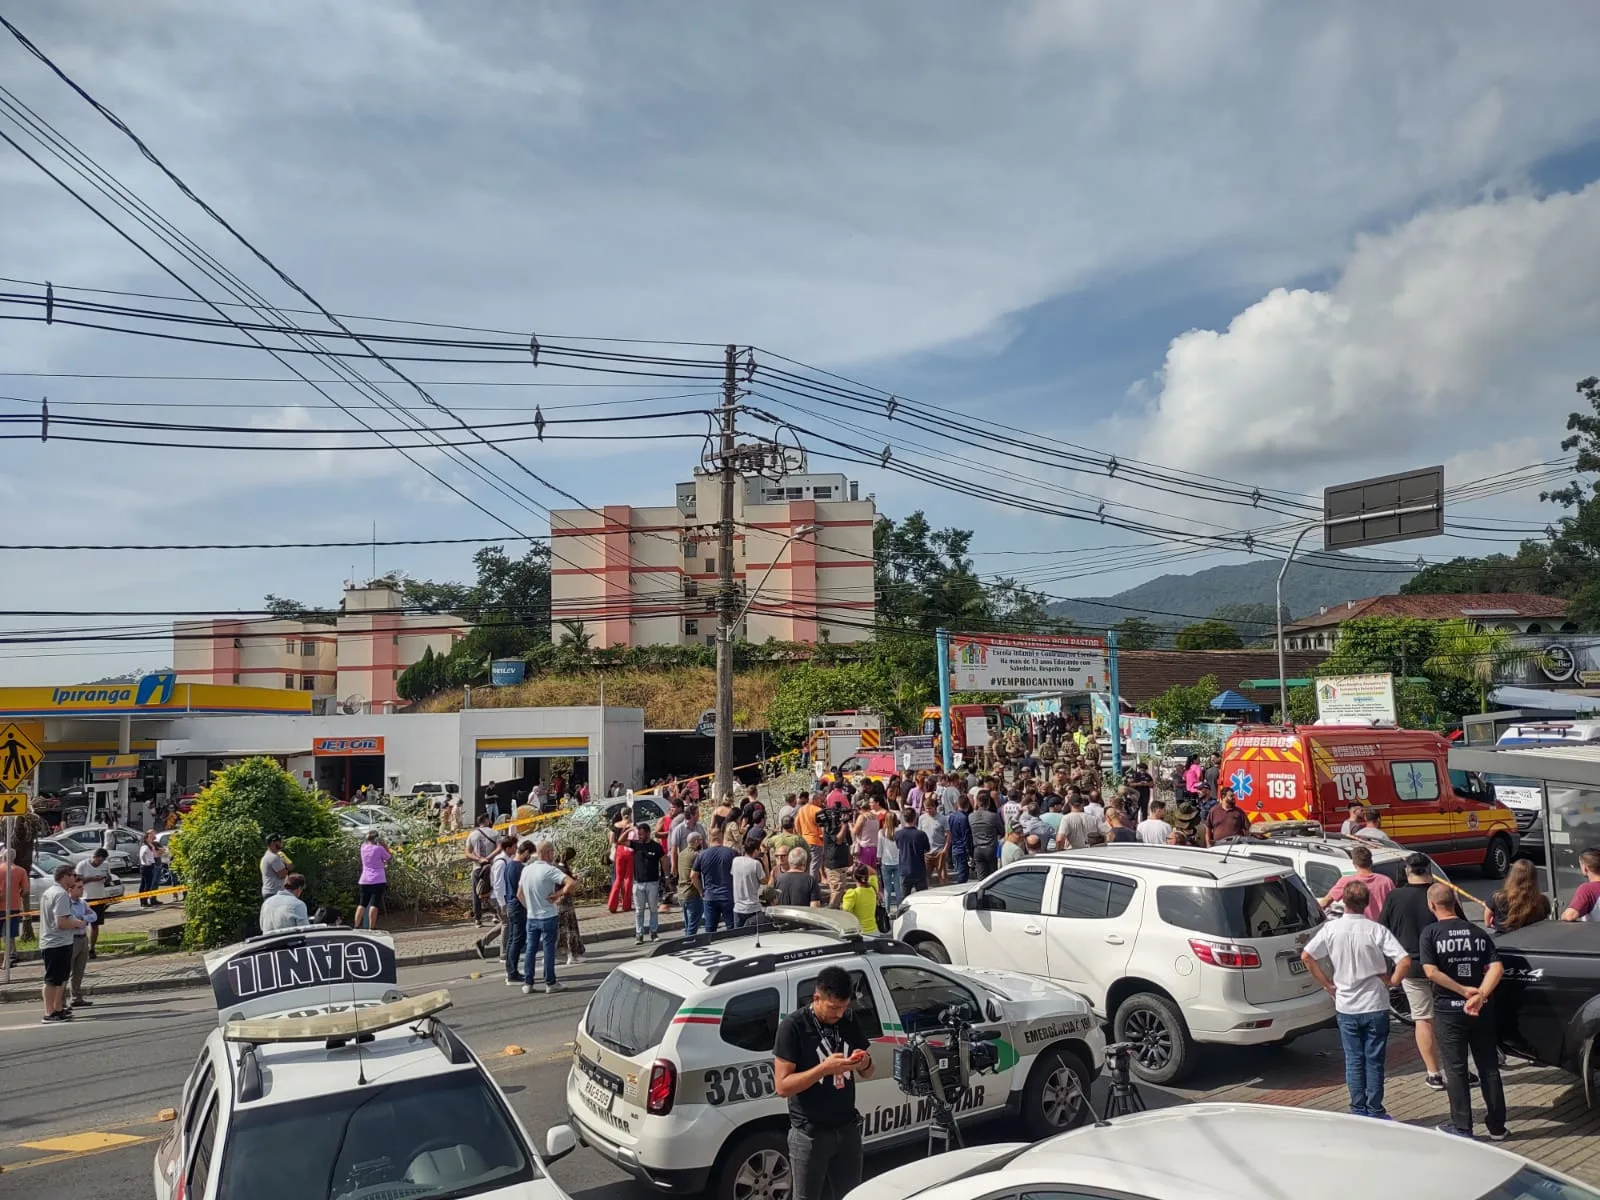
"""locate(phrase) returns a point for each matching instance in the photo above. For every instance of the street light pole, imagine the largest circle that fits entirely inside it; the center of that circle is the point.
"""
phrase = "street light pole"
(1283, 678)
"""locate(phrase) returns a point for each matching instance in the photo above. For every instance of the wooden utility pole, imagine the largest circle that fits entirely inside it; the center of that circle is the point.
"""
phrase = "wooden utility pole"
(727, 593)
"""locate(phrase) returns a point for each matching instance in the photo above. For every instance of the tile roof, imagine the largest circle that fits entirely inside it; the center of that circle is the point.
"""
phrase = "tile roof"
(1144, 674)
(1444, 607)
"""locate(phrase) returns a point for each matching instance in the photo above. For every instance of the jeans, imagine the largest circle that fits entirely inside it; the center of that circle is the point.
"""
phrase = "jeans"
(1458, 1034)
(516, 937)
(147, 883)
(958, 864)
(891, 883)
(820, 1157)
(1365, 1037)
(693, 910)
(719, 914)
(541, 934)
(740, 920)
(646, 908)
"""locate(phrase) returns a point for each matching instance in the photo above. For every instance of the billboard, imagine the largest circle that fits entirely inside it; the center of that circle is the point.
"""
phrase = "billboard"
(915, 752)
(995, 662)
(1356, 697)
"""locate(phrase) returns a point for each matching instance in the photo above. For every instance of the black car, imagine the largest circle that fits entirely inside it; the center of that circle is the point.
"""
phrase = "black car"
(1548, 1005)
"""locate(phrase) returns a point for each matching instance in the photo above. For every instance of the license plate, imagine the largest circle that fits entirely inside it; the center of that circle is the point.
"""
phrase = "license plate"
(598, 1094)
(1297, 966)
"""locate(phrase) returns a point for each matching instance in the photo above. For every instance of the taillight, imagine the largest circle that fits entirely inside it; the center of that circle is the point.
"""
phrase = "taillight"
(1225, 954)
(663, 1087)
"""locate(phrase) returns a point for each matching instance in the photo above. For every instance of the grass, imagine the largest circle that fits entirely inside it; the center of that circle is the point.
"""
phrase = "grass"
(672, 698)
(111, 943)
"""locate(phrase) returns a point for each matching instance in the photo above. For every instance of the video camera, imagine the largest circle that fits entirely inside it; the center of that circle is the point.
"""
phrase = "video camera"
(941, 1062)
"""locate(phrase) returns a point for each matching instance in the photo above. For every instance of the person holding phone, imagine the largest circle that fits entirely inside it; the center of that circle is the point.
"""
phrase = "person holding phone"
(819, 1051)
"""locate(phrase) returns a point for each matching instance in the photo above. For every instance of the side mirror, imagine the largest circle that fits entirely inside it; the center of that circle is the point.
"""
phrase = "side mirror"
(559, 1141)
(991, 1009)
(970, 900)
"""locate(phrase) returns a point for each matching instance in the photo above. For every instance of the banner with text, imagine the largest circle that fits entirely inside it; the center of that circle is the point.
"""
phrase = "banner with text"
(1356, 697)
(991, 662)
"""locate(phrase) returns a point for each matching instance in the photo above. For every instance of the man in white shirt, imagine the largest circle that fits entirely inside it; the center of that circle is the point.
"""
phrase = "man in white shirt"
(1361, 951)
(747, 877)
(285, 910)
(56, 931)
(541, 889)
(274, 867)
(93, 870)
(1154, 830)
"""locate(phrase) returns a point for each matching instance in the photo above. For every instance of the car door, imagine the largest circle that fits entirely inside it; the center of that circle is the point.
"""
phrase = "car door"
(877, 1099)
(1005, 926)
(1091, 930)
(924, 997)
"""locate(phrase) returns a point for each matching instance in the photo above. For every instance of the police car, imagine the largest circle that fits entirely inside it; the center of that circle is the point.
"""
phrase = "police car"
(672, 1070)
(323, 1082)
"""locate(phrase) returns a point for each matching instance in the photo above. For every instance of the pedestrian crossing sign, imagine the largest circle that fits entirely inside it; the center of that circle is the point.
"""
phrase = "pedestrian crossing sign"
(13, 804)
(19, 755)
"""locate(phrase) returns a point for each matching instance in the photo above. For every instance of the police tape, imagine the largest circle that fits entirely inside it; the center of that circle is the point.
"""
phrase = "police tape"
(108, 901)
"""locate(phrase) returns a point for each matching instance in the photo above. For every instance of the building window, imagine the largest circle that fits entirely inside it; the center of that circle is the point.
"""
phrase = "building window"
(691, 627)
(711, 639)
(238, 643)
(394, 674)
(288, 682)
(396, 639)
(691, 588)
(308, 649)
(711, 566)
(236, 677)
(691, 548)
(822, 493)
(289, 645)
(798, 493)
(308, 683)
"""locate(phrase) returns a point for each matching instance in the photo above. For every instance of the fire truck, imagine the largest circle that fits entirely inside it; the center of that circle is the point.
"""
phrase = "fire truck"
(837, 736)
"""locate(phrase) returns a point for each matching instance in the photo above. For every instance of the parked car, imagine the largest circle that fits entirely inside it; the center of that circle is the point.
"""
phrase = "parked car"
(1171, 946)
(1320, 858)
(360, 818)
(84, 839)
(121, 862)
(1525, 798)
(42, 875)
(435, 795)
(1548, 1006)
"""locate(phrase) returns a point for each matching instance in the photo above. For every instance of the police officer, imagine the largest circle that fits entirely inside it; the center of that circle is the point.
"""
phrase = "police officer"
(1460, 961)
(819, 1052)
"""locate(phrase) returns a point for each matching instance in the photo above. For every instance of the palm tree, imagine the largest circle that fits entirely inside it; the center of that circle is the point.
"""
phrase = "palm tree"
(1479, 657)
(576, 638)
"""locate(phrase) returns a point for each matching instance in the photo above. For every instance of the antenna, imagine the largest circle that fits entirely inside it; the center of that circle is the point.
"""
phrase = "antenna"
(361, 1063)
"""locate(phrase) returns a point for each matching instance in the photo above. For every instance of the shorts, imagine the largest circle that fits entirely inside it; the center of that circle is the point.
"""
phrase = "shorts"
(16, 928)
(1419, 998)
(371, 895)
(57, 965)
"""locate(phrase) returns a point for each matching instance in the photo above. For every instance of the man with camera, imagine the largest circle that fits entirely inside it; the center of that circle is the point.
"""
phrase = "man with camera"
(819, 1052)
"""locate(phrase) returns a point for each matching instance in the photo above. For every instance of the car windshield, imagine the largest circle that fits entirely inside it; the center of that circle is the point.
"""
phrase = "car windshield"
(628, 1015)
(48, 863)
(1273, 907)
(439, 1136)
(1531, 1183)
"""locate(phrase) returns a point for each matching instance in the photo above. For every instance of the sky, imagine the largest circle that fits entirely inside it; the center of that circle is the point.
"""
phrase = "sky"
(1280, 246)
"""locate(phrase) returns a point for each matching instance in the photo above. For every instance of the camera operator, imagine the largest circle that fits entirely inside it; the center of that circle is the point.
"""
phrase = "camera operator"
(818, 1053)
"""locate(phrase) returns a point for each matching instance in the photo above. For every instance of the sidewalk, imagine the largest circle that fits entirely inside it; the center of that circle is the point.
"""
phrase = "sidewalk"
(126, 974)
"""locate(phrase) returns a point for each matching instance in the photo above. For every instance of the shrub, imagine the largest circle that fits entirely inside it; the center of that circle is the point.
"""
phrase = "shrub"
(218, 849)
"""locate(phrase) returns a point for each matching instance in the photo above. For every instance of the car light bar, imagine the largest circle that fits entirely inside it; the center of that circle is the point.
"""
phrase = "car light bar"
(347, 1023)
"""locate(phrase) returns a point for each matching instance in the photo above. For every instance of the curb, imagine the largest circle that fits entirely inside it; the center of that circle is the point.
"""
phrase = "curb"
(197, 979)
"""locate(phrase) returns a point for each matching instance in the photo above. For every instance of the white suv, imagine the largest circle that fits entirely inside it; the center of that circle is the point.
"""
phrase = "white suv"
(1321, 859)
(1170, 946)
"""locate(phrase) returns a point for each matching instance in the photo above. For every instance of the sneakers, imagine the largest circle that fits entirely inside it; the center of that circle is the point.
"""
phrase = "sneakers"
(571, 962)
(653, 937)
(1497, 1135)
(1446, 1127)
(527, 989)
(80, 1002)
(54, 1018)
(554, 987)
(638, 939)
(514, 981)
(1436, 1082)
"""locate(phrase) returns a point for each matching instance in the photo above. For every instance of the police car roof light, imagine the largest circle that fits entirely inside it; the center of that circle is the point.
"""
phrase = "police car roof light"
(348, 1023)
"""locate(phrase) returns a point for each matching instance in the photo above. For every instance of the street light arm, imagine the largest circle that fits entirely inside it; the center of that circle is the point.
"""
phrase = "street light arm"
(803, 531)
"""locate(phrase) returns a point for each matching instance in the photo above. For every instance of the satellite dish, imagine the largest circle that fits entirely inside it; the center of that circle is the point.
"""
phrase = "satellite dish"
(351, 705)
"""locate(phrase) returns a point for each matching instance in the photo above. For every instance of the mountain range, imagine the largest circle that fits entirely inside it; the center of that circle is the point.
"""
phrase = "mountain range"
(1173, 601)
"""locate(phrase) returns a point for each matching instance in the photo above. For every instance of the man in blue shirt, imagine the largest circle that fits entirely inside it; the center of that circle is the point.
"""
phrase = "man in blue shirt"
(713, 875)
(516, 915)
(959, 829)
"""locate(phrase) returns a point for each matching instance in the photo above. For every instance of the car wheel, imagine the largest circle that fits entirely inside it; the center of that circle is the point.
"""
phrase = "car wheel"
(1155, 1030)
(933, 950)
(757, 1168)
(1400, 1006)
(1498, 859)
(1057, 1096)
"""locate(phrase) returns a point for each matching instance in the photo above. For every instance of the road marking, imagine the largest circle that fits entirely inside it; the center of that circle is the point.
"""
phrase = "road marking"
(79, 1143)
(49, 1159)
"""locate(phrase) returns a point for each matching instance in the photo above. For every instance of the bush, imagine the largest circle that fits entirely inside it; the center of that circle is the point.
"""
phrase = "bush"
(218, 849)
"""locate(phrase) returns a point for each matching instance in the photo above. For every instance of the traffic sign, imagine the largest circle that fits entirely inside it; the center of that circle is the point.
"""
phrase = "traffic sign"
(13, 804)
(19, 755)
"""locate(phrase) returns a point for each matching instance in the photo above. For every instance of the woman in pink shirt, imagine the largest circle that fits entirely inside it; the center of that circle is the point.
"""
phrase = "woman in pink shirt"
(374, 880)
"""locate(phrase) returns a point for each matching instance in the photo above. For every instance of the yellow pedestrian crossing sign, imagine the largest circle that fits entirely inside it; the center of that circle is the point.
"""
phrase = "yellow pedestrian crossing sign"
(13, 804)
(19, 755)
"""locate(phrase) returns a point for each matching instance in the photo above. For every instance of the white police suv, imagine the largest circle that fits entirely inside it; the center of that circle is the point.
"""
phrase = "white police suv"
(672, 1071)
(324, 1082)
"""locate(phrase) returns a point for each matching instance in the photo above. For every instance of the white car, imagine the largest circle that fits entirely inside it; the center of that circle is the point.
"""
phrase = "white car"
(363, 817)
(672, 1079)
(323, 1082)
(43, 873)
(436, 794)
(118, 862)
(83, 840)
(1229, 1152)
(1171, 947)
(1321, 859)
(1525, 797)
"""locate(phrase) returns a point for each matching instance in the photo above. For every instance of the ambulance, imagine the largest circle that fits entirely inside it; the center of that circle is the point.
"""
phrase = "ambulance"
(1315, 772)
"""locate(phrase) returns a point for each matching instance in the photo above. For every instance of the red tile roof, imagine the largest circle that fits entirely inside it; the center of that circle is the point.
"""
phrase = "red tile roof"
(1144, 674)
(1482, 606)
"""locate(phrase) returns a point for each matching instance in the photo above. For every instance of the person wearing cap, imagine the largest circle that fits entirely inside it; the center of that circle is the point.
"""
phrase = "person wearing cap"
(1406, 914)
(275, 867)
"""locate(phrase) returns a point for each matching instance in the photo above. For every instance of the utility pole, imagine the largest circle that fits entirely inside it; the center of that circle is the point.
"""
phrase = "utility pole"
(727, 596)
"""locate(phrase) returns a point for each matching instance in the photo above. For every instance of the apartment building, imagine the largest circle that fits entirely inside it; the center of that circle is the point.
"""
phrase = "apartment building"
(356, 661)
(648, 576)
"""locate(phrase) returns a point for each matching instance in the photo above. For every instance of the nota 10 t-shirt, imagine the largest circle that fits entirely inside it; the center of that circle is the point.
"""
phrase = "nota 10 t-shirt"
(1462, 952)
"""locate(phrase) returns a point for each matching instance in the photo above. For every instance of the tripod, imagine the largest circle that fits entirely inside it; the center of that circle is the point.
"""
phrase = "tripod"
(944, 1134)
(1124, 1097)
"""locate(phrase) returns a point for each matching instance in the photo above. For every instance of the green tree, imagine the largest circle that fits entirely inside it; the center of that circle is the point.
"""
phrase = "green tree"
(807, 690)
(1474, 657)
(283, 609)
(1183, 706)
(424, 677)
(1209, 635)
(218, 849)
(508, 606)
(1135, 633)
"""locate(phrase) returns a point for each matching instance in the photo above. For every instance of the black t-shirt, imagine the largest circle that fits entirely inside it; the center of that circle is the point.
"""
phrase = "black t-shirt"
(1406, 914)
(647, 856)
(798, 889)
(829, 1103)
(836, 854)
(1463, 952)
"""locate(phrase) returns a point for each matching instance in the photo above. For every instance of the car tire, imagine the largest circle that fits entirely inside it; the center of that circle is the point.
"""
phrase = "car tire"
(1160, 1039)
(1048, 1104)
(933, 950)
(1497, 860)
(757, 1168)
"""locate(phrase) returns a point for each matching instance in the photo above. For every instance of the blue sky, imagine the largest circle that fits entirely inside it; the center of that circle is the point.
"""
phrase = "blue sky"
(1263, 242)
